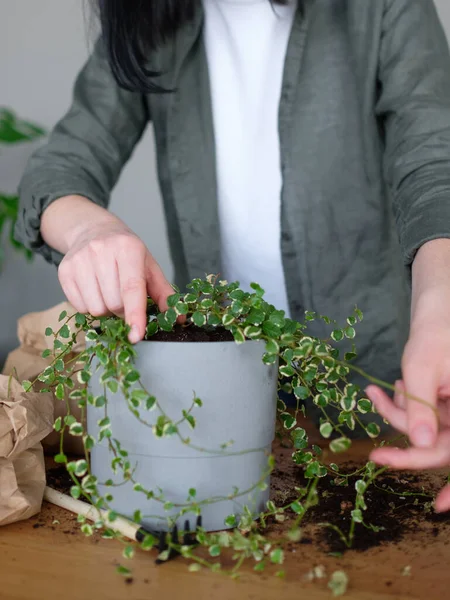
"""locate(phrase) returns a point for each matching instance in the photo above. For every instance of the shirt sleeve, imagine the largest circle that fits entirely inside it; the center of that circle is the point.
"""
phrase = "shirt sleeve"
(414, 107)
(85, 152)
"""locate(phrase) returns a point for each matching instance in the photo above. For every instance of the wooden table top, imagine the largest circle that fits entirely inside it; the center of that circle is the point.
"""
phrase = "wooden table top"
(47, 557)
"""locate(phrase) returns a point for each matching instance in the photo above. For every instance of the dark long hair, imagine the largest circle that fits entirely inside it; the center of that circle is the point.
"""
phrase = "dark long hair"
(132, 28)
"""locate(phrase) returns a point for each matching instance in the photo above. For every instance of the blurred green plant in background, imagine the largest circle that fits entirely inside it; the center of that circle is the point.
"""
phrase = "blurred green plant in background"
(13, 131)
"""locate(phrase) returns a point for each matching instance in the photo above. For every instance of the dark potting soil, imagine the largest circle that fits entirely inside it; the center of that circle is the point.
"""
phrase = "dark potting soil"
(191, 333)
(389, 506)
(59, 479)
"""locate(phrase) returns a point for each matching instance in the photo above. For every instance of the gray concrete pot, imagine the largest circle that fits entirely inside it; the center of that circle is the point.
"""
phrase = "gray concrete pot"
(239, 403)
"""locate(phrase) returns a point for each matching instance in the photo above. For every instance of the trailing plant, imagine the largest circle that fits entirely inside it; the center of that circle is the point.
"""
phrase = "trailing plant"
(309, 368)
(13, 131)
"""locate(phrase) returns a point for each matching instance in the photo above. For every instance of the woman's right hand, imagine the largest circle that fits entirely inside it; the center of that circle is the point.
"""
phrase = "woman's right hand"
(106, 269)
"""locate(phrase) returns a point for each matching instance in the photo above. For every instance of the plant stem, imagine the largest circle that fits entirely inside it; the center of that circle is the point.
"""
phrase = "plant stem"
(387, 386)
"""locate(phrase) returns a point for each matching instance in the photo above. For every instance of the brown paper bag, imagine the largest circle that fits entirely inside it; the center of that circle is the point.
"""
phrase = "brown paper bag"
(26, 362)
(25, 419)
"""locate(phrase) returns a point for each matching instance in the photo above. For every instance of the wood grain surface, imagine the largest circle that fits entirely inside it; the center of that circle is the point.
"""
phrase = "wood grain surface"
(47, 557)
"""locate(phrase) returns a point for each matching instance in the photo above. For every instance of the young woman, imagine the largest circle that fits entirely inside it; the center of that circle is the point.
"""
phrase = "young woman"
(304, 145)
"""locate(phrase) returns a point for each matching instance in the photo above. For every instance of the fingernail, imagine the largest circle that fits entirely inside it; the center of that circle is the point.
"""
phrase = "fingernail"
(134, 334)
(422, 436)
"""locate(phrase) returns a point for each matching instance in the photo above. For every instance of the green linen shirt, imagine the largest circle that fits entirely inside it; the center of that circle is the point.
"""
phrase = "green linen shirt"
(364, 125)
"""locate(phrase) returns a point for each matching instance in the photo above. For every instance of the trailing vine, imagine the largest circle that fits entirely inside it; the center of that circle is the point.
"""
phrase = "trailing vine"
(309, 368)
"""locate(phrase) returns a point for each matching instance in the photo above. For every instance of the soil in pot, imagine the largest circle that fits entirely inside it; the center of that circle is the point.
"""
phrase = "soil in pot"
(191, 333)
(59, 479)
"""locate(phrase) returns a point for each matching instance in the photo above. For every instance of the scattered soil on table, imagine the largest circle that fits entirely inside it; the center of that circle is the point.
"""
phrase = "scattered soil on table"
(191, 333)
(55, 518)
(389, 506)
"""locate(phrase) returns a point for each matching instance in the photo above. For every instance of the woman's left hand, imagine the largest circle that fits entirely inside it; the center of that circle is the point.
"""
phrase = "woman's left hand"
(421, 405)
(426, 376)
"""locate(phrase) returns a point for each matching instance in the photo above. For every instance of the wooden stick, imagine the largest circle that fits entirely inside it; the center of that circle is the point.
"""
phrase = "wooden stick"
(121, 525)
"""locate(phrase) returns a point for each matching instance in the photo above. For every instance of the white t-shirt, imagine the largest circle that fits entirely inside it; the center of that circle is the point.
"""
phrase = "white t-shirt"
(246, 43)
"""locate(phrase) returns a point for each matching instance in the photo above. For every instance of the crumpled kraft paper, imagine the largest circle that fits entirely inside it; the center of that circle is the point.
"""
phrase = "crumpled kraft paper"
(26, 362)
(25, 419)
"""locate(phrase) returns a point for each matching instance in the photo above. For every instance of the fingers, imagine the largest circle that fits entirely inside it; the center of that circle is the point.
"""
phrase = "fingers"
(79, 283)
(443, 403)
(415, 458)
(411, 458)
(138, 278)
(444, 412)
(395, 412)
(107, 274)
(442, 503)
(73, 295)
(421, 381)
(112, 273)
(159, 289)
(88, 284)
(399, 396)
(387, 409)
(133, 288)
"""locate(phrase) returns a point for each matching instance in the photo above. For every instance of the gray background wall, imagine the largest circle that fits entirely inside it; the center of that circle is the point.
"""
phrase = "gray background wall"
(43, 43)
